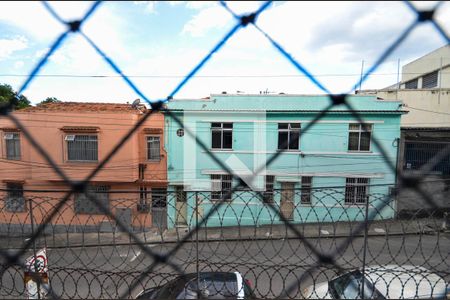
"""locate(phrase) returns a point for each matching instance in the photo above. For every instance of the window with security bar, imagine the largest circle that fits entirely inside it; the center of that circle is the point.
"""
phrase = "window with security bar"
(356, 190)
(359, 137)
(153, 148)
(159, 197)
(15, 202)
(288, 136)
(268, 193)
(12, 145)
(306, 190)
(222, 136)
(221, 187)
(84, 204)
(82, 147)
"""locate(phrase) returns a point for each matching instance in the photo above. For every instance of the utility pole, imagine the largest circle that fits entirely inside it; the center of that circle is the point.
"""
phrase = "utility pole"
(362, 72)
(398, 79)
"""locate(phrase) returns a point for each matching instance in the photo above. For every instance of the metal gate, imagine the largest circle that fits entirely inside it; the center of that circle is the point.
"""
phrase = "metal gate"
(419, 153)
(159, 208)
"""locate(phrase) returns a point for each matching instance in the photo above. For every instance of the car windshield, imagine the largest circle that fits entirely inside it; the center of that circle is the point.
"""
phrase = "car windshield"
(170, 289)
(214, 288)
(349, 286)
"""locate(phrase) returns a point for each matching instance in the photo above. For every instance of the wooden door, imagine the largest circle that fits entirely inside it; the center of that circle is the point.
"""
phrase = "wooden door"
(287, 200)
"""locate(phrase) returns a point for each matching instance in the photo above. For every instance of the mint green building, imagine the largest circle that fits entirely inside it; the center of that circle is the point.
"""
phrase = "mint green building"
(327, 170)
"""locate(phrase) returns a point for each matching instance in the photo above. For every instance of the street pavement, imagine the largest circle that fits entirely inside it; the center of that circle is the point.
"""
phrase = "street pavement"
(271, 264)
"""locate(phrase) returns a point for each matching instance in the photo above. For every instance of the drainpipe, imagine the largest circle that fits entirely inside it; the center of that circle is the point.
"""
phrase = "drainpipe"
(440, 83)
(396, 177)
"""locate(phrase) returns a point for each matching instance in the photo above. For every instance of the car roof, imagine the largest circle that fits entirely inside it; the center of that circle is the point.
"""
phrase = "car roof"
(405, 281)
(211, 275)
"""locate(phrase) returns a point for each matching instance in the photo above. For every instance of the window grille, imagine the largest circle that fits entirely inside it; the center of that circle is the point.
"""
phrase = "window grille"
(82, 147)
(15, 202)
(306, 189)
(12, 143)
(220, 187)
(159, 197)
(356, 190)
(84, 205)
(268, 193)
(153, 148)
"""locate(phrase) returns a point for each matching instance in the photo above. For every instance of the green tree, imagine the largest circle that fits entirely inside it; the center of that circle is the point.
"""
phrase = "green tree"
(8, 95)
(50, 100)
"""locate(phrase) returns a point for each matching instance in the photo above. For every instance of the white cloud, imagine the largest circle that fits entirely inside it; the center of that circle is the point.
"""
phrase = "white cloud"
(197, 5)
(212, 16)
(9, 46)
(326, 37)
(18, 64)
(206, 20)
(32, 18)
(150, 6)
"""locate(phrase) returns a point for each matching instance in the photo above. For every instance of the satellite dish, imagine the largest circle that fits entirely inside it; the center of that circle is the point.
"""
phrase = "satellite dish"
(135, 103)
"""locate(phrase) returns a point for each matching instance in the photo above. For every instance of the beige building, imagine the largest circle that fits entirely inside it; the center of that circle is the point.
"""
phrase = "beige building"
(424, 90)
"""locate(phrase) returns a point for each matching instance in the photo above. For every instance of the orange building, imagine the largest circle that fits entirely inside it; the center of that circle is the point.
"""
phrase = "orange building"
(78, 137)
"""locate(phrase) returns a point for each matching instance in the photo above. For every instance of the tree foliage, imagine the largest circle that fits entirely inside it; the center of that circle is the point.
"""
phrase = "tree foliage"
(9, 96)
(50, 100)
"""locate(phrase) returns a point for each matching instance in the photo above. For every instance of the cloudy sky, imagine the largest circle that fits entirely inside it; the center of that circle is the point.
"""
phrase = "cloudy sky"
(158, 43)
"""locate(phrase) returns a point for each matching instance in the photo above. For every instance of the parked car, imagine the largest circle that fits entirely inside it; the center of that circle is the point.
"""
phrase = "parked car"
(382, 282)
(211, 285)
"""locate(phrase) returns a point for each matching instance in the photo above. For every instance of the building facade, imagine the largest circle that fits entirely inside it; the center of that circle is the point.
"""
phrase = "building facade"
(78, 137)
(424, 90)
(325, 171)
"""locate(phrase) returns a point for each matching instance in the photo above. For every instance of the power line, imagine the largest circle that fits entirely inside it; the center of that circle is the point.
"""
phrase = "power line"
(431, 111)
(202, 76)
(237, 191)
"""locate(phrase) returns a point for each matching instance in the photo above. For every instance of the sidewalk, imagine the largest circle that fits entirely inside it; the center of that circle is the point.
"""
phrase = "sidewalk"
(235, 233)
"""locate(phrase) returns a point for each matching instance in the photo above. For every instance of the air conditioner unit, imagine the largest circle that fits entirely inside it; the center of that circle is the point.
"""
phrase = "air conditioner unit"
(8, 136)
(70, 138)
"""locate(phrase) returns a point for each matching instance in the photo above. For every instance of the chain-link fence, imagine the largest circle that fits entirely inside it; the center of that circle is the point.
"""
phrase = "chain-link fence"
(287, 248)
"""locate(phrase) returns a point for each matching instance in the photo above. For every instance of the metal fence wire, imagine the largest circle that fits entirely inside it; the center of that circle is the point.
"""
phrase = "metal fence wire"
(280, 266)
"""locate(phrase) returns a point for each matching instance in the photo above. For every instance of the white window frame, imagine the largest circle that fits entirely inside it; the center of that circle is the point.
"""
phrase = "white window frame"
(355, 184)
(361, 129)
(221, 186)
(14, 138)
(289, 130)
(221, 129)
(147, 140)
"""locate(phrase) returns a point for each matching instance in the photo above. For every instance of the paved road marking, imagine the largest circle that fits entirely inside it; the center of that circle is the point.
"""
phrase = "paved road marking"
(135, 256)
(139, 253)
